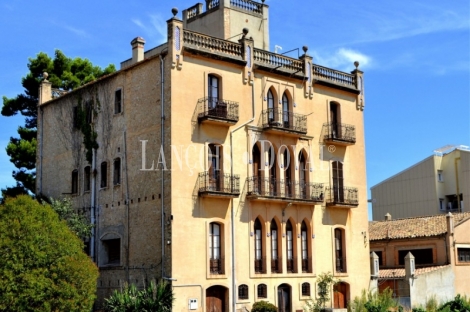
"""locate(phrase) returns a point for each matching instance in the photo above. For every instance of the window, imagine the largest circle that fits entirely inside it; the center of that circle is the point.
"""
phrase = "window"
(335, 119)
(338, 182)
(271, 161)
(290, 247)
(303, 229)
(89, 112)
(113, 250)
(259, 267)
(422, 256)
(303, 175)
(214, 164)
(213, 91)
(285, 111)
(256, 157)
(340, 255)
(442, 204)
(87, 179)
(440, 176)
(118, 101)
(262, 291)
(463, 254)
(104, 174)
(271, 107)
(276, 266)
(75, 182)
(287, 174)
(305, 289)
(215, 259)
(243, 292)
(380, 255)
(76, 122)
(117, 171)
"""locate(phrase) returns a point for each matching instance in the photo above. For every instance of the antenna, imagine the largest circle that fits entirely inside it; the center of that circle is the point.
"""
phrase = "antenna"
(277, 47)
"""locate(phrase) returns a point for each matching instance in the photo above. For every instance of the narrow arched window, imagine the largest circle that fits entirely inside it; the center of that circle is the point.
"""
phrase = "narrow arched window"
(340, 258)
(243, 292)
(338, 181)
(117, 171)
(305, 289)
(215, 165)
(275, 261)
(213, 91)
(303, 175)
(271, 106)
(104, 174)
(262, 291)
(290, 246)
(215, 258)
(256, 185)
(305, 260)
(87, 179)
(75, 182)
(285, 111)
(259, 265)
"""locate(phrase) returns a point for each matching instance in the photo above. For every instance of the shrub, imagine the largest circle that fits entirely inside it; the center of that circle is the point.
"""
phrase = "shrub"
(458, 304)
(42, 263)
(374, 302)
(263, 306)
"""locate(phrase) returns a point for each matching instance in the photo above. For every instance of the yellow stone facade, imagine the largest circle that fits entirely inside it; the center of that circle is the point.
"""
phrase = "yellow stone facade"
(222, 224)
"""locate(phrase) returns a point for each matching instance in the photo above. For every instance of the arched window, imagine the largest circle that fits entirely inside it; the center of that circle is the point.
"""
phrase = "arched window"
(305, 289)
(285, 111)
(75, 181)
(104, 174)
(335, 120)
(243, 292)
(276, 266)
(259, 265)
(338, 182)
(256, 156)
(303, 175)
(213, 91)
(340, 254)
(304, 237)
(288, 174)
(271, 107)
(117, 171)
(273, 183)
(216, 261)
(290, 247)
(262, 291)
(87, 179)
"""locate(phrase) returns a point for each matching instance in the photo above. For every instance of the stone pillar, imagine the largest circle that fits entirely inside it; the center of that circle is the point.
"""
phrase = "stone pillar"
(409, 266)
(449, 237)
(45, 90)
(175, 40)
(360, 103)
(137, 49)
(374, 272)
(307, 60)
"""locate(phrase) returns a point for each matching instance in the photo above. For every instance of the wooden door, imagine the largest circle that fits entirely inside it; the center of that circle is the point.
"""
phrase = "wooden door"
(340, 290)
(283, 301)
(215, 299)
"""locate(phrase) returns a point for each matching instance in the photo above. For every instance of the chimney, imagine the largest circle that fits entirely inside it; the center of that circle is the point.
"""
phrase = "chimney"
(449, 237)
(409, 265)
(374, 265)
(388, 217)
(137, 49)
(45, 90)
(450, 223)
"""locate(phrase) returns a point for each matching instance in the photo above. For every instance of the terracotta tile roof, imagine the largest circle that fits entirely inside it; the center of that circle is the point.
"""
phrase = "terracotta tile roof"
(399, 273)
(413, 227)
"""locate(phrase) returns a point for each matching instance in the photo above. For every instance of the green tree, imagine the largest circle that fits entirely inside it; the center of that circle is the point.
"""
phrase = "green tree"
(324, 281)
(263, 306)
(42, 264)
(154, 298)
(76, 222)
(65, 74)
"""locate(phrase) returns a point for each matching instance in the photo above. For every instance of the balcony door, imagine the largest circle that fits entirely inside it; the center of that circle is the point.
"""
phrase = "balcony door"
(275, 263)
(285, 111)
(302, 176)
(284, 298)
(338, 182)
(335, 120)
(215, 162)
(259, 267)
(290, 247)
(256, 169)
(213, 91)
(287, 174)
(272, 172)
(272, 110)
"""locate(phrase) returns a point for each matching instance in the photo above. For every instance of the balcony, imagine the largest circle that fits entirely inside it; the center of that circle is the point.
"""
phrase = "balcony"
(276, 265)
(339, 134)
(216, 266)
(216, 184)
(214, 110)
(279, 190)
(342, 197)
(276, 120)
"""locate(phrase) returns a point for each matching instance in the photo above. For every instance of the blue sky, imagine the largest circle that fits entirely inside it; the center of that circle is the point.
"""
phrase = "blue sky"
(415, 55)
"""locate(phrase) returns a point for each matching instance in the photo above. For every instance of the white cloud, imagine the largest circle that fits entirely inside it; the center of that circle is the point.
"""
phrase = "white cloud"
(154, 28)
(343, 59)
(76, 31)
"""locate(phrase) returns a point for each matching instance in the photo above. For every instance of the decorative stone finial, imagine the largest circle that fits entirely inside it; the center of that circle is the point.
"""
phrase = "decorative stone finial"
(45, 75)
(174, 11)
(305, 48)
(356, 63)
(245, 31)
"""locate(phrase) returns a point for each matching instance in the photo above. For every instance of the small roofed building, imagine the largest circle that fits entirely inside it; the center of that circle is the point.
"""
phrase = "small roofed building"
(422, 257)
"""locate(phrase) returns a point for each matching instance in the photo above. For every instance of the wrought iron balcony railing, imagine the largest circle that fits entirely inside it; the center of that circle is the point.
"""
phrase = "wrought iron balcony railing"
(285, 189)
(276, 265)
(284, 120)
(217, 266)
(260, 265)
(216, 183)
(339, 132)
(211, 108)
(342, 196)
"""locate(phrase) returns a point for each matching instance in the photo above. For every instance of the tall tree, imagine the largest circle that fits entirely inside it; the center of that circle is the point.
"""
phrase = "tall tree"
(64, 73)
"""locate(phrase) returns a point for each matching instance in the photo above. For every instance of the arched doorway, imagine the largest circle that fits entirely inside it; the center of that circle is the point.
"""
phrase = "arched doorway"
(340, 295)
(284, 298)
(216, 299)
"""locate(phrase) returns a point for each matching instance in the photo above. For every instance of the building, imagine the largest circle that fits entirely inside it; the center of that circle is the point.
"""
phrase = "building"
(236, 173)
(435, 185)
(422, 257)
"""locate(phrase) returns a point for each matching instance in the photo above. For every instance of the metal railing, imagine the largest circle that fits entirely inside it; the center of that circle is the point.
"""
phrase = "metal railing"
(336, 76)
(339, 132)
(211, 4)
(276, 265)
(270, 187)
(276, 118)
(217, 108)
(217, 266)
(247, 5)
(342, 195)
(216, 182)
(274, 60)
